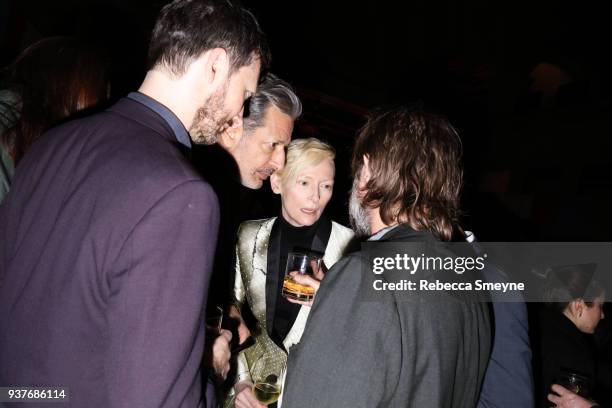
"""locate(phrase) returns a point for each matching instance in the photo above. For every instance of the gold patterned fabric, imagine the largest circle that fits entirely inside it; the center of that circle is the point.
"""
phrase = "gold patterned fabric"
(250, 287)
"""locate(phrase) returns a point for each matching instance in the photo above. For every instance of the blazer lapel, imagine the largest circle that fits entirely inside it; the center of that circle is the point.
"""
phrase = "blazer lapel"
(319, 244)
(272, 275)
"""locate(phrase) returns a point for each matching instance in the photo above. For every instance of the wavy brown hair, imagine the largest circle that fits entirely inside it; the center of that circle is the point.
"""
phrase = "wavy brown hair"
(415, 164)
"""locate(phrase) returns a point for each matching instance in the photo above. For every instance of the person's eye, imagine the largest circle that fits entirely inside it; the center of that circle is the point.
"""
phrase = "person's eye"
(302, 182)
(327, 186)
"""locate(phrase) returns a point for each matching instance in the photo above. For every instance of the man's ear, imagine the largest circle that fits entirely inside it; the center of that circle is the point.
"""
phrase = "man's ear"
(364, 173)
(232, 133)
(366, 167)
(217, 68)
(576, 307)
(580, 306)
(276, 183)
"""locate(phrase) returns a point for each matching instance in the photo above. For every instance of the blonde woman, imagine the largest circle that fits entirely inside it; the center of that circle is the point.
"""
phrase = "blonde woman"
(306, 185)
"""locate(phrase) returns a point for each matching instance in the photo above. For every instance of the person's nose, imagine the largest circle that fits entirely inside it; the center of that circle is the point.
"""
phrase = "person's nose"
(277, 160)
(315, 195)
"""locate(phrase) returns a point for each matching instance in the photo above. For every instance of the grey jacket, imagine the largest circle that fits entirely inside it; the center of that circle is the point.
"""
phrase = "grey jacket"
(387, 353)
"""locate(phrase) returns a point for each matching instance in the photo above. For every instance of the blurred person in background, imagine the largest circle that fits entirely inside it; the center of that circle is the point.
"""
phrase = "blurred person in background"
(574, 302)
(48, 82)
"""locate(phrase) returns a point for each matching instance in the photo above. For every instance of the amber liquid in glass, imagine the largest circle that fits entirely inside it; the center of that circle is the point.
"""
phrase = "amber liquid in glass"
(293, 290)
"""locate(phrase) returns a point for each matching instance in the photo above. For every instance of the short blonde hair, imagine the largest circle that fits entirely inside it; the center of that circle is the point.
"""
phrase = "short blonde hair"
(303, 153)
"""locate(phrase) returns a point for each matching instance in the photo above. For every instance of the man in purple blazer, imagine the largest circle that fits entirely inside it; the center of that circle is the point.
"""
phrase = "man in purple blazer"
(107, 236)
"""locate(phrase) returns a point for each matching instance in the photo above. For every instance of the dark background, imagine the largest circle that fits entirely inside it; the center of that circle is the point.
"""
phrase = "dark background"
(526, 83)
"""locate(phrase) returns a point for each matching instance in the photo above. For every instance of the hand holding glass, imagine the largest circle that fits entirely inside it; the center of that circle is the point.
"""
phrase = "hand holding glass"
(303, 264)
(574, 382)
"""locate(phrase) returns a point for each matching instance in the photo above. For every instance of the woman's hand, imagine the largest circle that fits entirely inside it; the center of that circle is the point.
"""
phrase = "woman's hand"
(245, 397)
(308, 281)
(568, 399)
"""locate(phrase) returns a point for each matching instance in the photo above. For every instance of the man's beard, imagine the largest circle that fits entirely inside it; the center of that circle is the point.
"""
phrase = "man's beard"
(209, 120)
(357, 214)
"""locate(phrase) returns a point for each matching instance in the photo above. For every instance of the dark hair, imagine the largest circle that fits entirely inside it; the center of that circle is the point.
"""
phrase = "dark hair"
(416, 176)
(567, 283)
(187, 28)
(271, 91)
(51, 79)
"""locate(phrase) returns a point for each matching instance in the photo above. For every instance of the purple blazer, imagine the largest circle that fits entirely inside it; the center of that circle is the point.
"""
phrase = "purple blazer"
(107, 240)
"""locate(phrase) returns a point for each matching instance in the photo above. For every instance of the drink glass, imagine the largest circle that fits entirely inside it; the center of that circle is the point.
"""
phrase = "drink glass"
(575, 382)
(304, 264)
(268, 376)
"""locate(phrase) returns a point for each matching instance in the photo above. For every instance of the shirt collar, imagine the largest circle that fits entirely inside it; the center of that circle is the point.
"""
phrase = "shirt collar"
(175, 124)
(382, 232)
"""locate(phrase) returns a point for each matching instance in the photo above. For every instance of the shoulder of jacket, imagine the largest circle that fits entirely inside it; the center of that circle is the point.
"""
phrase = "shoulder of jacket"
(253, 225)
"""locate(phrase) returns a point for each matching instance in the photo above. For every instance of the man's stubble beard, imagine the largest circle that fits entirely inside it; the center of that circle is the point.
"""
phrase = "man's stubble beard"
(209, 120)
(357, 214)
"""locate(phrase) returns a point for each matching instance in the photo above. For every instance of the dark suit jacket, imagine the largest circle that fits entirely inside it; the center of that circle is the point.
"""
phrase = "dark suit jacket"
(106, 246)
(387, 352)
(508, 381)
